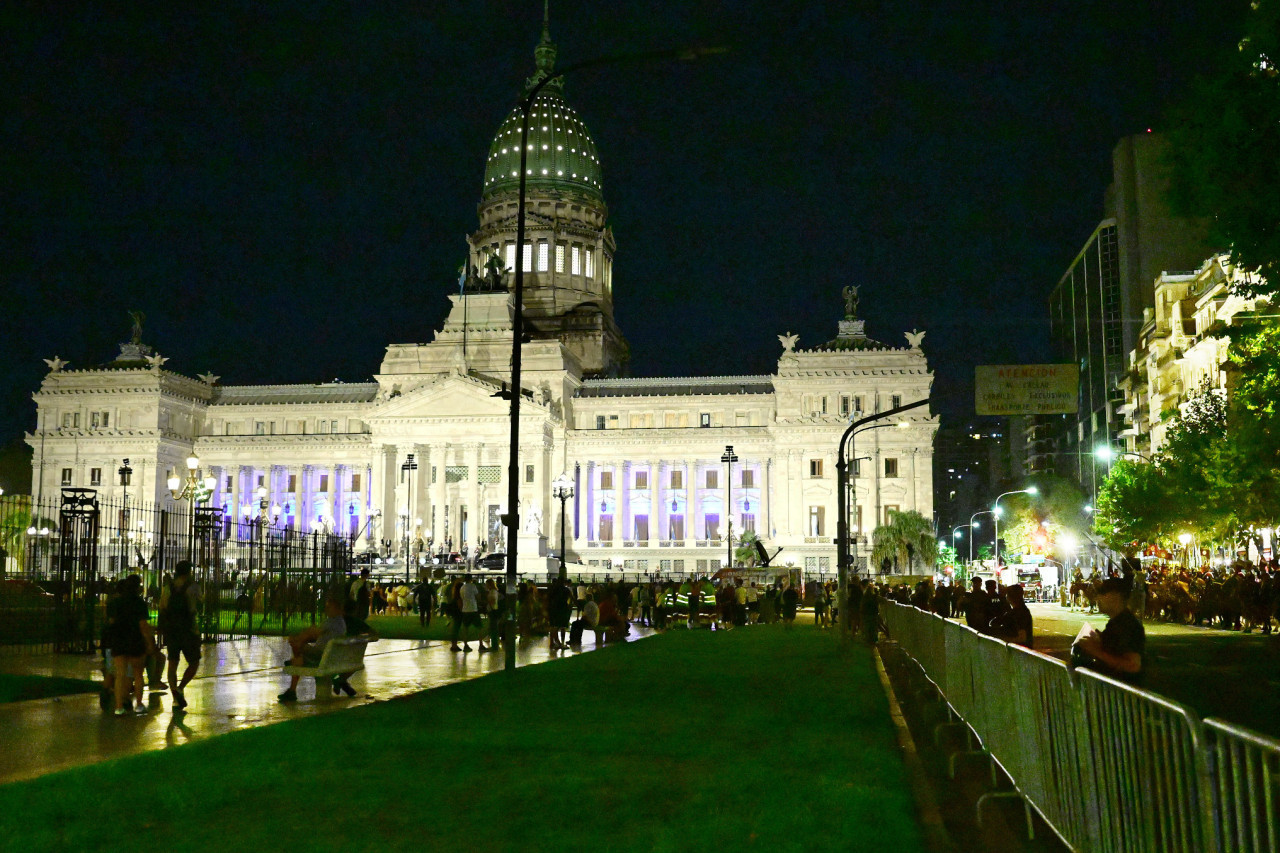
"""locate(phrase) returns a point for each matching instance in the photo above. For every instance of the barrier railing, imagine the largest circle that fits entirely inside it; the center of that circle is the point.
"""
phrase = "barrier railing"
(1110, 767)
(1246, 772)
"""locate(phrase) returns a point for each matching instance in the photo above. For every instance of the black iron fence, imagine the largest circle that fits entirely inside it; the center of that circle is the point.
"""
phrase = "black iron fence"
(60, 556)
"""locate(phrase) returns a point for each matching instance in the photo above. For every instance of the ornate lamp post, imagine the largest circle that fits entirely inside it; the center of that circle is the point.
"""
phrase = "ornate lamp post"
(728, 459)
(126, 477)
(562, 490)
(191, 489)
(406, 476)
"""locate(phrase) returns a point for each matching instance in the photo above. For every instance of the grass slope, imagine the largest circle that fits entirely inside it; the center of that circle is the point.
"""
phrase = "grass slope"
(758, 739)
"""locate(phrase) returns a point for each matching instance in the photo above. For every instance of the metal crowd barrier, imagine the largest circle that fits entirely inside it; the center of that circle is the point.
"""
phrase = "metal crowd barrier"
(1110, 767)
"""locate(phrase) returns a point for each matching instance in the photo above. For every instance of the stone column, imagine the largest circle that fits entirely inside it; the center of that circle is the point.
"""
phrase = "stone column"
(692, 513)
(766, 499)
(307, 485)
(589, 517)
(624, 502)
(478, 516)
(655, 501)
(441, 459)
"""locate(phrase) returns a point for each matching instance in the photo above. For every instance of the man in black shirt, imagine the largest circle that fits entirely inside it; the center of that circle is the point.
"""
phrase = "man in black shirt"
(1014, 624)
(975, 607)
(1118, 652)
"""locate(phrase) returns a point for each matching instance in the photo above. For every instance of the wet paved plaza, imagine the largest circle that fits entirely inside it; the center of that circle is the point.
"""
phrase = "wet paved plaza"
(235, 688)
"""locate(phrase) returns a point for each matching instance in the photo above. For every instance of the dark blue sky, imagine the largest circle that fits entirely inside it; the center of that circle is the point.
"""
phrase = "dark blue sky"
(284, 188)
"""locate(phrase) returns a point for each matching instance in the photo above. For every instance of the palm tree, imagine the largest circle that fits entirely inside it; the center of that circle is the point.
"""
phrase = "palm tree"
(908, 538)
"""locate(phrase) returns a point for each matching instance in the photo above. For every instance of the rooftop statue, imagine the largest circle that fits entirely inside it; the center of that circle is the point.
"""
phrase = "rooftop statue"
(851, 302)
(135, 334)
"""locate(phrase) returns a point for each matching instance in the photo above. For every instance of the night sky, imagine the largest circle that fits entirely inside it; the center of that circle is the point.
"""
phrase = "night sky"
(284, 188)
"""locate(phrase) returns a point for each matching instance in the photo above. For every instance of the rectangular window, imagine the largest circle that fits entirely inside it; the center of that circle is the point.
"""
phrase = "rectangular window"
(323, 427)
(675, 528)
(591, 263)
(642, 479)
(95, 476)
(677, 479)
(815, 467)
(704, 419)
(324, 482)
(259, 428)
(527, 256)
(712, 521)
(748, 478)
(575, 259)
(543, 255)
(559, 257)
(229, 483)
(509, 253)
(230, 430)
(355, 482)
(293, 482)
(66, 420)
(713, 478)
(891, 467)
(889, 509)
(895, 401)
(599, 421)
(748, 522)
(642, 528)
(271, 427)
(857, 467)
(844, 405)
(606, 528)
(93, 420)
(857, 403)
(824, 404)
(106, 419)
(66, 476)
(817, 520)
(528, 473)
(333, 426)
(75, 420)
(606, 479)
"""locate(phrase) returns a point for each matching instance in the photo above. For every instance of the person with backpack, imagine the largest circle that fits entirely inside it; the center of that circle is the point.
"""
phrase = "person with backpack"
(359, 595)
(179, 603)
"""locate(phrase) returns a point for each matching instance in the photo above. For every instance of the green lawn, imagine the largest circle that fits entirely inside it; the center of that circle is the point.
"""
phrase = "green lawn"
(18, 688)
(759, 739)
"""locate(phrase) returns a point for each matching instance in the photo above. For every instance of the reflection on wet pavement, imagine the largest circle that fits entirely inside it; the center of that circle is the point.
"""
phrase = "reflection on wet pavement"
(235, 688)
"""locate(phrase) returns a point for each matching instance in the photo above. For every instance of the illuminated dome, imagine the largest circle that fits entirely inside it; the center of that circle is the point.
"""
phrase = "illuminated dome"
(561, 154)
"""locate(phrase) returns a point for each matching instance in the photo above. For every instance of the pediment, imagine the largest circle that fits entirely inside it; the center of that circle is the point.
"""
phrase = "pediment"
(447, 398)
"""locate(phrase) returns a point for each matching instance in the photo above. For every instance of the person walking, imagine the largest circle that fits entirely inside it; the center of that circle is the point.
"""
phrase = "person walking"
(559, 611)
(179, 604)
(132, 638)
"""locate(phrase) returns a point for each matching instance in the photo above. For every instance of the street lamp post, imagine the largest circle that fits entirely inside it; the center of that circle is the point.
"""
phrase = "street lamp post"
(973, 525)
(562, 490)
(995, 515)
(843, 451)
(955, 531)
(406, 471)
(511, 519)
(728, 459)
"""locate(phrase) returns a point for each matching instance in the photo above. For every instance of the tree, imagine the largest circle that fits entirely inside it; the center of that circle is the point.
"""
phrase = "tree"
(745, 554)
(906, 539)
(1133, 505)
(1226, 143)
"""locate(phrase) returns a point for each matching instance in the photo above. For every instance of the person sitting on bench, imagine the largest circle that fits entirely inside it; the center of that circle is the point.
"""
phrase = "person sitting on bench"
(308, 644)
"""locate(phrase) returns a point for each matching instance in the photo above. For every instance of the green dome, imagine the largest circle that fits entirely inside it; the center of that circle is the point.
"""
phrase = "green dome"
(562, 155)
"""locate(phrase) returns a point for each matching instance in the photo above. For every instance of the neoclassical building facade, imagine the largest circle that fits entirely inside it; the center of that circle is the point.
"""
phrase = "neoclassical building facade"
(420, 453)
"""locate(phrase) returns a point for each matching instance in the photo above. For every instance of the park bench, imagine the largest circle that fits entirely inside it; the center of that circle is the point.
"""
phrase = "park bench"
(342, 658)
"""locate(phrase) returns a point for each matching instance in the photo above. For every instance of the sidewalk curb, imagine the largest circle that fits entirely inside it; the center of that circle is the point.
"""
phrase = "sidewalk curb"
(935, 831)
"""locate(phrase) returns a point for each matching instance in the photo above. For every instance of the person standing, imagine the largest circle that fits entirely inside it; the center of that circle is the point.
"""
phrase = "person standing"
(424, 595)
(359, 594)
(1119, 650)
(132, 638)
(975, 607)
(1013, 625)
(468, 613)
(790, 601)
(179, 604)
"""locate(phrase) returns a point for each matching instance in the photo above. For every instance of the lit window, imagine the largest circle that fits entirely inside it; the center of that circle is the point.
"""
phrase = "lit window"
(590, 263)
(815, 467)
(510, 251)
(575, 260)
(527, 258)
(543, 251)
(559, 257)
